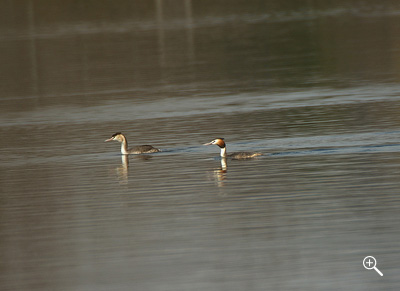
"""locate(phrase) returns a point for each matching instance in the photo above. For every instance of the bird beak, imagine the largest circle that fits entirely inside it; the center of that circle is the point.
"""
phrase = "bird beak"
(110, 139)
(209, 143)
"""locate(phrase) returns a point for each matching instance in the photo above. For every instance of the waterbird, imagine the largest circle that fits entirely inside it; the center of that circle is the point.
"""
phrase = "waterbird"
(236, 155)
(142, 149)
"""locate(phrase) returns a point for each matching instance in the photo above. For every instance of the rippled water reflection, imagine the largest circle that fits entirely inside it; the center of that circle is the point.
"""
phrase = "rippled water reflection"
(314, 88)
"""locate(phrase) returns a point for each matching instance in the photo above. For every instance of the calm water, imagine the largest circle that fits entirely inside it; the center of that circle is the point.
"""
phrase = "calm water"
(314, 87)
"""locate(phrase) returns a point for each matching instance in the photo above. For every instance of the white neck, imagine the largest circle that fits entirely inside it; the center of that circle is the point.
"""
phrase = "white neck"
(124, 147)
(223, 152)
(223, 164)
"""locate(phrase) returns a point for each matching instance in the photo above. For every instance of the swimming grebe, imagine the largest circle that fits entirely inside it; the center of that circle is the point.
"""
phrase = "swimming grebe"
(238, 155)
(143, 149)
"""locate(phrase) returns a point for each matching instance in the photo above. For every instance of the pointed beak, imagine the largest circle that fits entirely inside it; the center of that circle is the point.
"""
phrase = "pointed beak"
(110, 139)
(209, 143)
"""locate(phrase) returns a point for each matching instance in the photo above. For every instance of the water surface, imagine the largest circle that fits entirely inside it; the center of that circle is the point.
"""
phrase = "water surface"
(315, 88)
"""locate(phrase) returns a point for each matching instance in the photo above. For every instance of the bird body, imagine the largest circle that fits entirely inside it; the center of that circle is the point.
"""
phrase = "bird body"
(236, 155)
(142, 149)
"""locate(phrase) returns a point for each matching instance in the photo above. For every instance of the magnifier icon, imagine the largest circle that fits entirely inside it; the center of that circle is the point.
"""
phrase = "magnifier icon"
(369, 263)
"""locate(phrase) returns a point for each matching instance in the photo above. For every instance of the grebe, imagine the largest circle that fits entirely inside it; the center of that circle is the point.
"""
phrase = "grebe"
(143, 149)
(239, 155)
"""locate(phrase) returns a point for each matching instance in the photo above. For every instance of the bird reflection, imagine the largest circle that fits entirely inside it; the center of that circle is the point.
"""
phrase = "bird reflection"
(143, 157)
(220, 174)
(122, 170)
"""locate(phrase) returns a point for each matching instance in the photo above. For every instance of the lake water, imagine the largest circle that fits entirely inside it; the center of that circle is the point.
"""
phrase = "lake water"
(315, 87)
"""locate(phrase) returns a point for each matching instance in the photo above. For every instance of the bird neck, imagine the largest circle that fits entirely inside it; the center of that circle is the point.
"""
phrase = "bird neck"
(223, 152)
(124, 146)
(224, 165)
